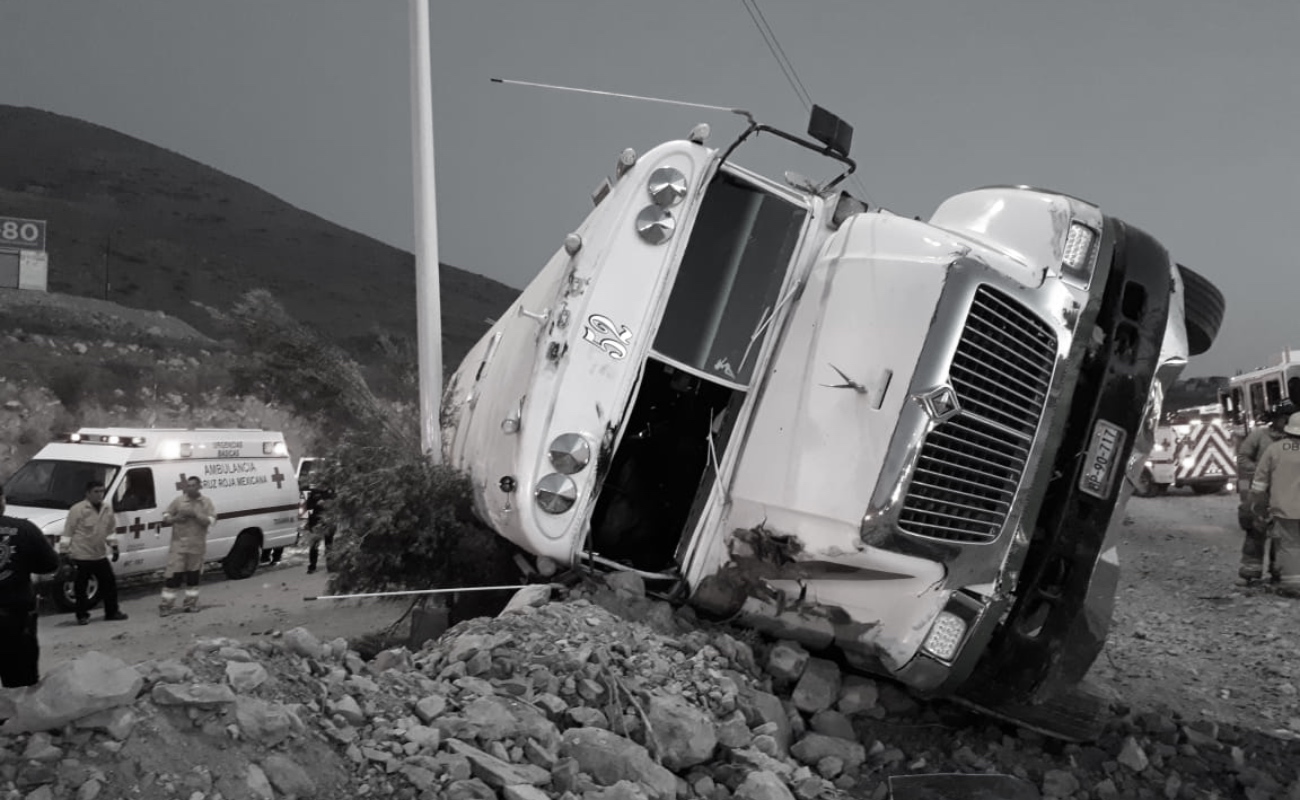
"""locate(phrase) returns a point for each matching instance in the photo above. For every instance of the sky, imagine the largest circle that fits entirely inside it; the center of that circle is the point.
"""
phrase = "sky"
(1180, 116)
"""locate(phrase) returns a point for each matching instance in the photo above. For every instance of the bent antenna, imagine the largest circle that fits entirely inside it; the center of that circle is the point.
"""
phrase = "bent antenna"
(739, 111)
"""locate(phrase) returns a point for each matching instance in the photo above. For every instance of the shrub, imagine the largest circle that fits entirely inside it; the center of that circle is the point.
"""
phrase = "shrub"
(401, 522)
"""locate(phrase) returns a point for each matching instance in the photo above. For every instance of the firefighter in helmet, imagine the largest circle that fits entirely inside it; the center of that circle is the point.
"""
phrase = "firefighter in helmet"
(1249, 452)
(1275, 499)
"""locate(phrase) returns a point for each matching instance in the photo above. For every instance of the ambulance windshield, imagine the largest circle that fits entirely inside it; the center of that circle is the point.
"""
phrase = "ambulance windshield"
(55, 484)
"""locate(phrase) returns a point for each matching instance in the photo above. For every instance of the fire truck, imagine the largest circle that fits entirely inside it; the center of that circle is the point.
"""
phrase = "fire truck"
(907, 442)
(1194, 448)
(1250, 395)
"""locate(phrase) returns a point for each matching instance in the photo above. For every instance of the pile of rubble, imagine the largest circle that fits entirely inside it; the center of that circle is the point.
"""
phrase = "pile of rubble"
(563, 700)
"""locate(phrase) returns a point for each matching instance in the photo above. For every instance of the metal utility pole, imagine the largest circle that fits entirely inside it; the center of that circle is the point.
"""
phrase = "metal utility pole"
(428, 311)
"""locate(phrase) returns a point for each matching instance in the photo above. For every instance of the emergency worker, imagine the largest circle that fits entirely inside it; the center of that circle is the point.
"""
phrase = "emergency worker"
(88, 534)
(318, 499)
(1249, 452)
(1275, 501)
(191, 516)
(23, 550)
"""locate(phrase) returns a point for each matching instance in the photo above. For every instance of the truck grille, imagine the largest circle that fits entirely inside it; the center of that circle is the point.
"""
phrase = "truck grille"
(970, 465)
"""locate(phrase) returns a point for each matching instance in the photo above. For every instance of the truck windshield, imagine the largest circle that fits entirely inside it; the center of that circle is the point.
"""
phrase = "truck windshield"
(55, 484)
(729, 282)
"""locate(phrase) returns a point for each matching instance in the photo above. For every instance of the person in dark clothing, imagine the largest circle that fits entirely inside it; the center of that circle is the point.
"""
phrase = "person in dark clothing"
(23, 550)
(315, 505)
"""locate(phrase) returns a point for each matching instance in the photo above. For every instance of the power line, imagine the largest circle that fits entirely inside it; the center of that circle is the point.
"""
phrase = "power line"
(791, 75)
(807, 96)
(774, 49)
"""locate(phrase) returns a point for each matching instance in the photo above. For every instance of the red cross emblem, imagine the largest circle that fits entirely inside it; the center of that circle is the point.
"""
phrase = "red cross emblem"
(278, 477)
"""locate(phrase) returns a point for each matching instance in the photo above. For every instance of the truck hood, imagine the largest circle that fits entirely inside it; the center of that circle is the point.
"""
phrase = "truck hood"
(49, 520)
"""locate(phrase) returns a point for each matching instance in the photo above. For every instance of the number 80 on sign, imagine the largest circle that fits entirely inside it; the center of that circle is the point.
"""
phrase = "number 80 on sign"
(27, 234)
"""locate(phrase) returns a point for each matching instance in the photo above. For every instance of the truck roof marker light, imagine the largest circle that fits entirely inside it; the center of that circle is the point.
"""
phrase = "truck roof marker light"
(601, 191)
(572, 244)
(186, 449)
(1076, 257)
(626, 160)
(274, 449)
(569, 453)
(555, 493)
(700, 133)
(74, 437)
(944, 638)
(667, 186)
(656, 225)
(114, 439)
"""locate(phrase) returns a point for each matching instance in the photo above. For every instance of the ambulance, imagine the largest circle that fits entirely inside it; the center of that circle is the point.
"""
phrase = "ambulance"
(246, 472)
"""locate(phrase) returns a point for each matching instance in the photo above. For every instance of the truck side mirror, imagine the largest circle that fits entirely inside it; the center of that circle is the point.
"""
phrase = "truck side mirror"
(830, 130)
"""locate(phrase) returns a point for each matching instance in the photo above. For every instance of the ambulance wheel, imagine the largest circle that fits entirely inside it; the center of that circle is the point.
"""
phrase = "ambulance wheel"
(64, 596)
(1209, 488)
(1203, 304)
(1146, 486)
(242, 560)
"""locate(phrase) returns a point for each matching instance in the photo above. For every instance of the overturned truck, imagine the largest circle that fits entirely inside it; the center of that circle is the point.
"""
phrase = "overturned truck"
(906, 443)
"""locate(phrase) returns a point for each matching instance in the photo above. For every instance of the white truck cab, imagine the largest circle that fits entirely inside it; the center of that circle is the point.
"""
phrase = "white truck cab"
(247, 473)
(905, 441)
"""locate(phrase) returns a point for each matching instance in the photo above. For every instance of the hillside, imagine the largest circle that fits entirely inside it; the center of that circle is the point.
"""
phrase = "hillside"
(176, 231)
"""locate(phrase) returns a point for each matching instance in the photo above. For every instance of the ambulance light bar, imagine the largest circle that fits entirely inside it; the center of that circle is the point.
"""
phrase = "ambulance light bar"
(101, 438)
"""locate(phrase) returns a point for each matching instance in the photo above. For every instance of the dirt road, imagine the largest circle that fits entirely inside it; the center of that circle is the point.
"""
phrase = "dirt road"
(272, 600)
(1186, 635)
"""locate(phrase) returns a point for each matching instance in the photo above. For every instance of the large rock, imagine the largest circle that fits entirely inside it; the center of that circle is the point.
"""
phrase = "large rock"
(288, 777)
(264, 721)
(763, 786)
(192, 694)
(245, 676)
(685, 735)
(818, 687)
(75, 689)
(497, 772)
(609, 758)
(815, 746)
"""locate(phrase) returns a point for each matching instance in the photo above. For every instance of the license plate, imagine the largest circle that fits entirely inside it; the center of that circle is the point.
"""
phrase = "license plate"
(1103, 453)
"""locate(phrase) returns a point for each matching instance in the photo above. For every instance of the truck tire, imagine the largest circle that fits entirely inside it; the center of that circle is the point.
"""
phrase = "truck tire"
(242, 560)
(1203, 304)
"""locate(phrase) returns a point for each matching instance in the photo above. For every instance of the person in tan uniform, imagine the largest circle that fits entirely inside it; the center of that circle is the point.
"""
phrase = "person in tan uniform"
(88, 534)
(1249, 452)
(191, 516)
(1275, 499)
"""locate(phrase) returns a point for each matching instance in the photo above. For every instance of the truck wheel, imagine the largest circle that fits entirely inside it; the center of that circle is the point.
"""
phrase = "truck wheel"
(241, 562)
(1203, 304)
(1209, 488)
(65, 598)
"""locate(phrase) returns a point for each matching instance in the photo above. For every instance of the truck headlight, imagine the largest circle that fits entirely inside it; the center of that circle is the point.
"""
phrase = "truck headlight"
(555, 493)
(945, 636)
(1077, 258)
(655, 224)
(667, 186)
(569, 453)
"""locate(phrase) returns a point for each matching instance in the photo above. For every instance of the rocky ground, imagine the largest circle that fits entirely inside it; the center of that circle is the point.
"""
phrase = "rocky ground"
(564, 698)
